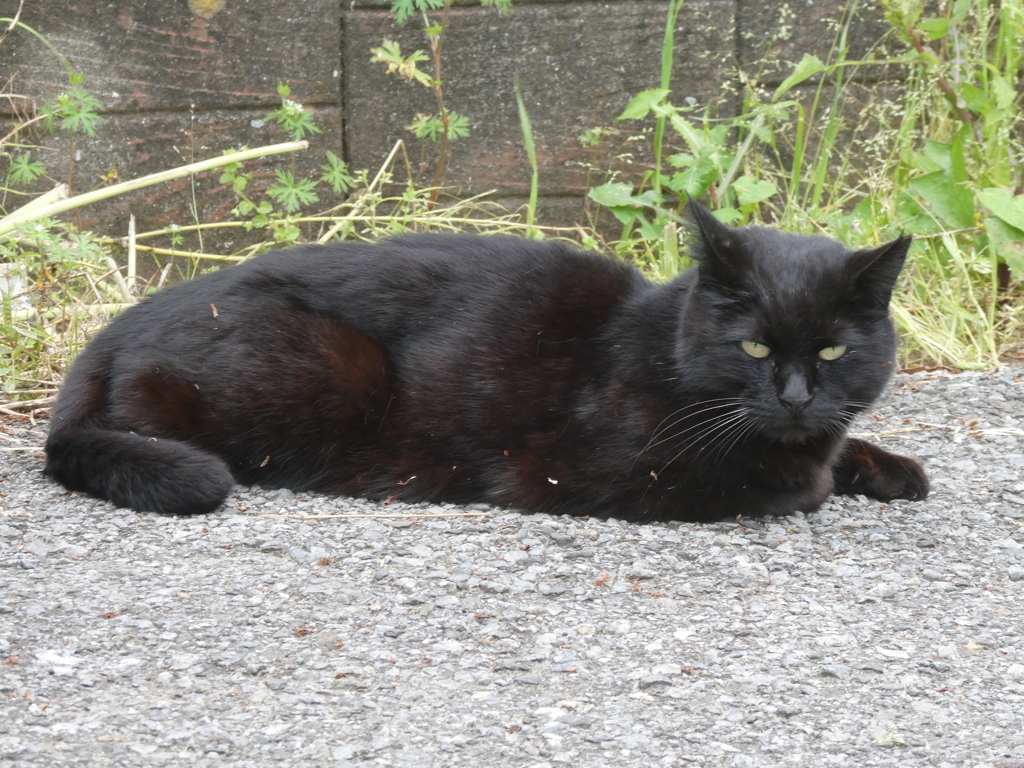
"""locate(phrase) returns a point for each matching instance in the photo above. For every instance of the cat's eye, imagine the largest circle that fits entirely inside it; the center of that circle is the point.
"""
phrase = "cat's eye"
(754, 349)
(832, 353)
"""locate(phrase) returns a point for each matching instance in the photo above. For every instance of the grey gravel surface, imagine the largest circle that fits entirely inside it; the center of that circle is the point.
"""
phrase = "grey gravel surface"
(866, 634)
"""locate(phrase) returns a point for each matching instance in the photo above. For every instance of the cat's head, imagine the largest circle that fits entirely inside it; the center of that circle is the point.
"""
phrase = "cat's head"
(796, 328)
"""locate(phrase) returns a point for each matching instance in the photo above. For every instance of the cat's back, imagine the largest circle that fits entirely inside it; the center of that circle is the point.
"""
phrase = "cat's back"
(434, 282)
(407, 262)
(428, 264)
(452, 283)
(407, 285)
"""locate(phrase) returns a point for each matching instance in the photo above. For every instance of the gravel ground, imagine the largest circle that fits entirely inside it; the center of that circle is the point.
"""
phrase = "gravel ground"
(863, 635)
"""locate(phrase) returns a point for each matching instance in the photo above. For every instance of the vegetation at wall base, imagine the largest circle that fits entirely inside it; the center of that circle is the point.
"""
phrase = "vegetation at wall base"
(820, 153)
(817, 153)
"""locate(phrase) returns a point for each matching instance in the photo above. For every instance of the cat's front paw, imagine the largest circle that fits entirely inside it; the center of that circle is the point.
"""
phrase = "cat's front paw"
(867, 469)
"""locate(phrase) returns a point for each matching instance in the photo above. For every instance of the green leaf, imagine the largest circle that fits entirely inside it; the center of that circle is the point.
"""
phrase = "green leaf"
(458, 126)
(957, 164)
(913, 216)
(625, 214)
(48, 113)
(648, 198)
(426, 127)
(977, 100)
(750, 191)
(76, 110)
(293, 118)
(693, 138)
(727, 215)
(619, 193)
(390, 53)
(293, 194)
(809, 65)
(432, 126)
(83, 248)
(1004, 205)
(502, 5)
(628, 208)
(719, 135)
(23, 171)
(651, 230)
(764, 133)
(862, 215)
(694, 180)
(403, 9)
(612, 193)
(81, 121)
(934, 29)
(175, 230)
(938, 153)
(920, 161)
(681, 160)
(643, 103)
(1008, 242)
(593, 137)
(949, 202)
(1002, 91)
(285, 232)
(335, 173)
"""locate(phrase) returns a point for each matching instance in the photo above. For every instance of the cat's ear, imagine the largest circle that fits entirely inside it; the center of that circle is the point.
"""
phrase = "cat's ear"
(874, 271)
(719, 250)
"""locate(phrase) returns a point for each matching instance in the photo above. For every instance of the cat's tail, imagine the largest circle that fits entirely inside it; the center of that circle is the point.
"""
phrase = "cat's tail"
(83, 453)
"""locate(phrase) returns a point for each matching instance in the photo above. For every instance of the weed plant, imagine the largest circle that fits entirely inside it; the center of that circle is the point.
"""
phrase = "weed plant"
(446, 125)
(943, 162)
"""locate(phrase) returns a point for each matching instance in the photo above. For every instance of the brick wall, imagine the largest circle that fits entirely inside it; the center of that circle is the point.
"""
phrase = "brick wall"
(181, 81)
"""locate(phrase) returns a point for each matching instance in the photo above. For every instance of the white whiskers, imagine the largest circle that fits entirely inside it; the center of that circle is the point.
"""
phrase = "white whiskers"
(723, 402)
(727, 425)
(711, 430)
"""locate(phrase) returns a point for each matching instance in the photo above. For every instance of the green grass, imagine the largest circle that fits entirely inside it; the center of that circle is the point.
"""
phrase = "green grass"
(830, 155)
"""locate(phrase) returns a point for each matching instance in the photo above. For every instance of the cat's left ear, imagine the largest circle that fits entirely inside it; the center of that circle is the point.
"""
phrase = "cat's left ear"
(874, 272)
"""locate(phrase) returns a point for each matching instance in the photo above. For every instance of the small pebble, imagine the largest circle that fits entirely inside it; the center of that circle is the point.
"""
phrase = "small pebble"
(649, 681)
(840, 671)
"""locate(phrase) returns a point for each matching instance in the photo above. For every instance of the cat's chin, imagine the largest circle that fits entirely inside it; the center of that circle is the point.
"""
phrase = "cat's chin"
(791, 433)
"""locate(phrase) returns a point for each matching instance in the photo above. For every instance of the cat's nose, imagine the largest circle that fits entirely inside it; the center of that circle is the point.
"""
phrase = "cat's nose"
(796, 394)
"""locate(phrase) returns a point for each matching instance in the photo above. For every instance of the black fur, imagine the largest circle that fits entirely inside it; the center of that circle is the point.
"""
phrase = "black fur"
(532, 375)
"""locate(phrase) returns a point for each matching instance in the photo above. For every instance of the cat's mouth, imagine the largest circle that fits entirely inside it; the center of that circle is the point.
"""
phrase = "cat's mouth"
(795, 430)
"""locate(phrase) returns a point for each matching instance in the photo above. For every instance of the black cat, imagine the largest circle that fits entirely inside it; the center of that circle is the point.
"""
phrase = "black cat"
(532, 375)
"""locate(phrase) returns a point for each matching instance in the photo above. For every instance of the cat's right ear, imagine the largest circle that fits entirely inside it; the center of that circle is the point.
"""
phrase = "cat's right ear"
(876, 270)
(718, 248)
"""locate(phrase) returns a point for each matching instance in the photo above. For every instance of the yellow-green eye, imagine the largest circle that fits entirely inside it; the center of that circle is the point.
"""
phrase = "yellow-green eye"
(832, 353)
(754, 349)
